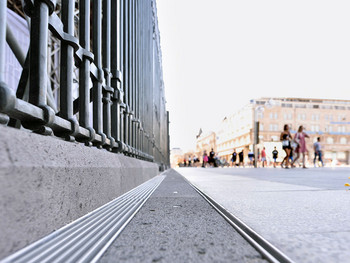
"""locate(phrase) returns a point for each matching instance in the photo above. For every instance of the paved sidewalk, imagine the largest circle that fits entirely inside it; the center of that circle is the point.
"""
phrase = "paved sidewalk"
(303, 212)
(177, 225)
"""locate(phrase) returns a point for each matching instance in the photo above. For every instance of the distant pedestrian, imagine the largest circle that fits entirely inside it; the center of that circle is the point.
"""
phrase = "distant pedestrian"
(234, 158)
(185, 163)
(286, 138)
(291, 158)
(211, 157)
(317, 151)
(189, 161)
(299, 138)
(241, 158)
(205, 159)
(263, 157)
(274, 156)
(251, 158)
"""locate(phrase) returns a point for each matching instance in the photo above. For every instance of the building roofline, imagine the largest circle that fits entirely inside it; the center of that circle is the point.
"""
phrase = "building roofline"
(298, 99)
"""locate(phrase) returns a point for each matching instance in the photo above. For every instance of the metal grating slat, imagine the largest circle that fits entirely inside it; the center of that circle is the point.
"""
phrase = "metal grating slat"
(85, 239)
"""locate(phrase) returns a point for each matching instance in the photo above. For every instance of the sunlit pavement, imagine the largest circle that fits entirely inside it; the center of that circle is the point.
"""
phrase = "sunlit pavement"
(303, 212)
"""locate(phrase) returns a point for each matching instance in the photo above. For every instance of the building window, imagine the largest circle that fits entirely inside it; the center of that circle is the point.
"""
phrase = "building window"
(260, 115)
(341, 155)
(328, 117)
(339, 107)
(315, 128)
(330, 140)
(287, 116)
(261, 127)
(315, 117)
(273, 115)
(301, 116)
(273, 127)
(341, 117)
(274, 138)
(259, 102)
(343, 140)
(328, 128)
(341, 129)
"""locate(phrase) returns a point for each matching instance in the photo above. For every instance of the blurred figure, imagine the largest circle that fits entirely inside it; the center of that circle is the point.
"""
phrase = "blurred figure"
(263, 157)
(251, 158)
(211, 157)
(195, 161)
(185, 163)
(286, 137)
(241, 158)
(189, 161)
(299, 138)
(291, 159)
(234, 158)
(216, 160)
(318, 152)
(274, 156)
(205, 159)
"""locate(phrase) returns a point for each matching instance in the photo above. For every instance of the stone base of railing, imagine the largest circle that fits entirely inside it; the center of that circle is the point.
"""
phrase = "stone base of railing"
(46, 183)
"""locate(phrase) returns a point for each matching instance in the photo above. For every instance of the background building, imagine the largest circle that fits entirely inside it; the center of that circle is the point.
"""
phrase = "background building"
(325, 118)
(205, 142)
(176, 157)
(235, 133)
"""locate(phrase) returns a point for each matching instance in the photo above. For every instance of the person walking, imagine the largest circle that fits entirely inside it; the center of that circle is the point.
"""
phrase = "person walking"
(241, 158)
(205, 159)
(263, 157)
(299, 138)
(317, 151)
(211, 158)
(274, 156)
(234, 158)
(286, 137)
(251, 158)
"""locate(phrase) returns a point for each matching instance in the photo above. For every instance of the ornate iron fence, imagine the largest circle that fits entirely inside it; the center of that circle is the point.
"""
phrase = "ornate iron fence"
(105, 50)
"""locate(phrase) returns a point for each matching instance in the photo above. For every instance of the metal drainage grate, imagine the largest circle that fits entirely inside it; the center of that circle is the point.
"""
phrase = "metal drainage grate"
(86, 239)
(267, 250)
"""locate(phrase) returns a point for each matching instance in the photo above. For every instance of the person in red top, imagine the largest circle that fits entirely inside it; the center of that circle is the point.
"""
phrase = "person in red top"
(263, 157)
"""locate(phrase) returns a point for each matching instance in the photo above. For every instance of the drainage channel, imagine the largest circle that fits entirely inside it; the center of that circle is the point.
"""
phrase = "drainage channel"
(87, 238)
(265, 248)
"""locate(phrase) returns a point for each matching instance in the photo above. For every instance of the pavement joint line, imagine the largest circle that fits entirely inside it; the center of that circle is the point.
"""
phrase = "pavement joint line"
(268, 251)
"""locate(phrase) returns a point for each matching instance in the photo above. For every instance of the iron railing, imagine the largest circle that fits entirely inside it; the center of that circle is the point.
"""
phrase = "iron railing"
(113, 48)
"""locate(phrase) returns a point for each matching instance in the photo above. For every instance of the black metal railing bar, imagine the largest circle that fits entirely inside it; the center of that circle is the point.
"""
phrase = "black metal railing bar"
(121, 104)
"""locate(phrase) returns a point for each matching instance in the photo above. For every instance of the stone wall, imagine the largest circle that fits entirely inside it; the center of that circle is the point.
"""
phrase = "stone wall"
(46, 182)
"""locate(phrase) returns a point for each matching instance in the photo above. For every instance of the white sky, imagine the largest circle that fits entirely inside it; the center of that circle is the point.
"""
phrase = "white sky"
(217, 55)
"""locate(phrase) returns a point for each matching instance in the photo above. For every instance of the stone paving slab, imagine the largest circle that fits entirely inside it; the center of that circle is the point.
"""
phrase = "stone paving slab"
(304, 213)
(177, 225)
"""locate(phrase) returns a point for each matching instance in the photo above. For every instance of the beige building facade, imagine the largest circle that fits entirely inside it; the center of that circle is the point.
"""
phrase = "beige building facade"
(324, 118)
(205, 142)
(176, 157)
